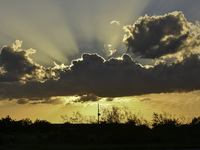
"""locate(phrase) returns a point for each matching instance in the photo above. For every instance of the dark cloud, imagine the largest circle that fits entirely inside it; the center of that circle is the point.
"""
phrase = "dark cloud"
(22, 101)
(15, 65)
(109, 99)
(123, 77)
(152, 37)
(92, 75)
(50, 100)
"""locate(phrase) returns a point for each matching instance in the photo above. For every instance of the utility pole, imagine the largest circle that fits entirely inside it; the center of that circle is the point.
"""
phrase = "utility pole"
(98, 113)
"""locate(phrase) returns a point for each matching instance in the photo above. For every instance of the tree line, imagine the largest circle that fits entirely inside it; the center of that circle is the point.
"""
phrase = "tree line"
(115, 115)
(117, 126)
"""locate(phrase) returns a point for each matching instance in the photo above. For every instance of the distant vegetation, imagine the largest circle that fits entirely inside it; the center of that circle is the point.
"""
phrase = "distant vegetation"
(117, 126)
(117, 115)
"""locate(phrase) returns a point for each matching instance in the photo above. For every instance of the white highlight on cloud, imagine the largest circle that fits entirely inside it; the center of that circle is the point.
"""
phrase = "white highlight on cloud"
(115, 22)
(17, 45)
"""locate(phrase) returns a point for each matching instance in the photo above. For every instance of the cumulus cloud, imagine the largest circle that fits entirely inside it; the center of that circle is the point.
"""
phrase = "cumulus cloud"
(152, 37)
(124, 76)
(93, 77)
(15, 64)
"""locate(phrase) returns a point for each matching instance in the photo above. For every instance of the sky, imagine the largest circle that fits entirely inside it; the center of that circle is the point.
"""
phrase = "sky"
(62, 56)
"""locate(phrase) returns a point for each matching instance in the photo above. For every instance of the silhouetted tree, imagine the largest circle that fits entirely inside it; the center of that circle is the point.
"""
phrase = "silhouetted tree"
(6, 122)
(111, 116)
(41, 122)
(78, 118)
(115, 115)
(121, 116)
(195, 121)
(25, 122)
(164, 120)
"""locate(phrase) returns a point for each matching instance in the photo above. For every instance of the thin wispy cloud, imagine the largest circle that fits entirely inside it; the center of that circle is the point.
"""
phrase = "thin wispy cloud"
(115, 22)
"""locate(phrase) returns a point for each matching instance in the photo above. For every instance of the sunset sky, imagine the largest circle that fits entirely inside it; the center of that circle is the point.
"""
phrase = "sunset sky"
(61, 56)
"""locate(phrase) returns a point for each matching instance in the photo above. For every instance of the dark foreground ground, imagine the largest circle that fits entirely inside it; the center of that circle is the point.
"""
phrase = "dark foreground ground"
(103, 136)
